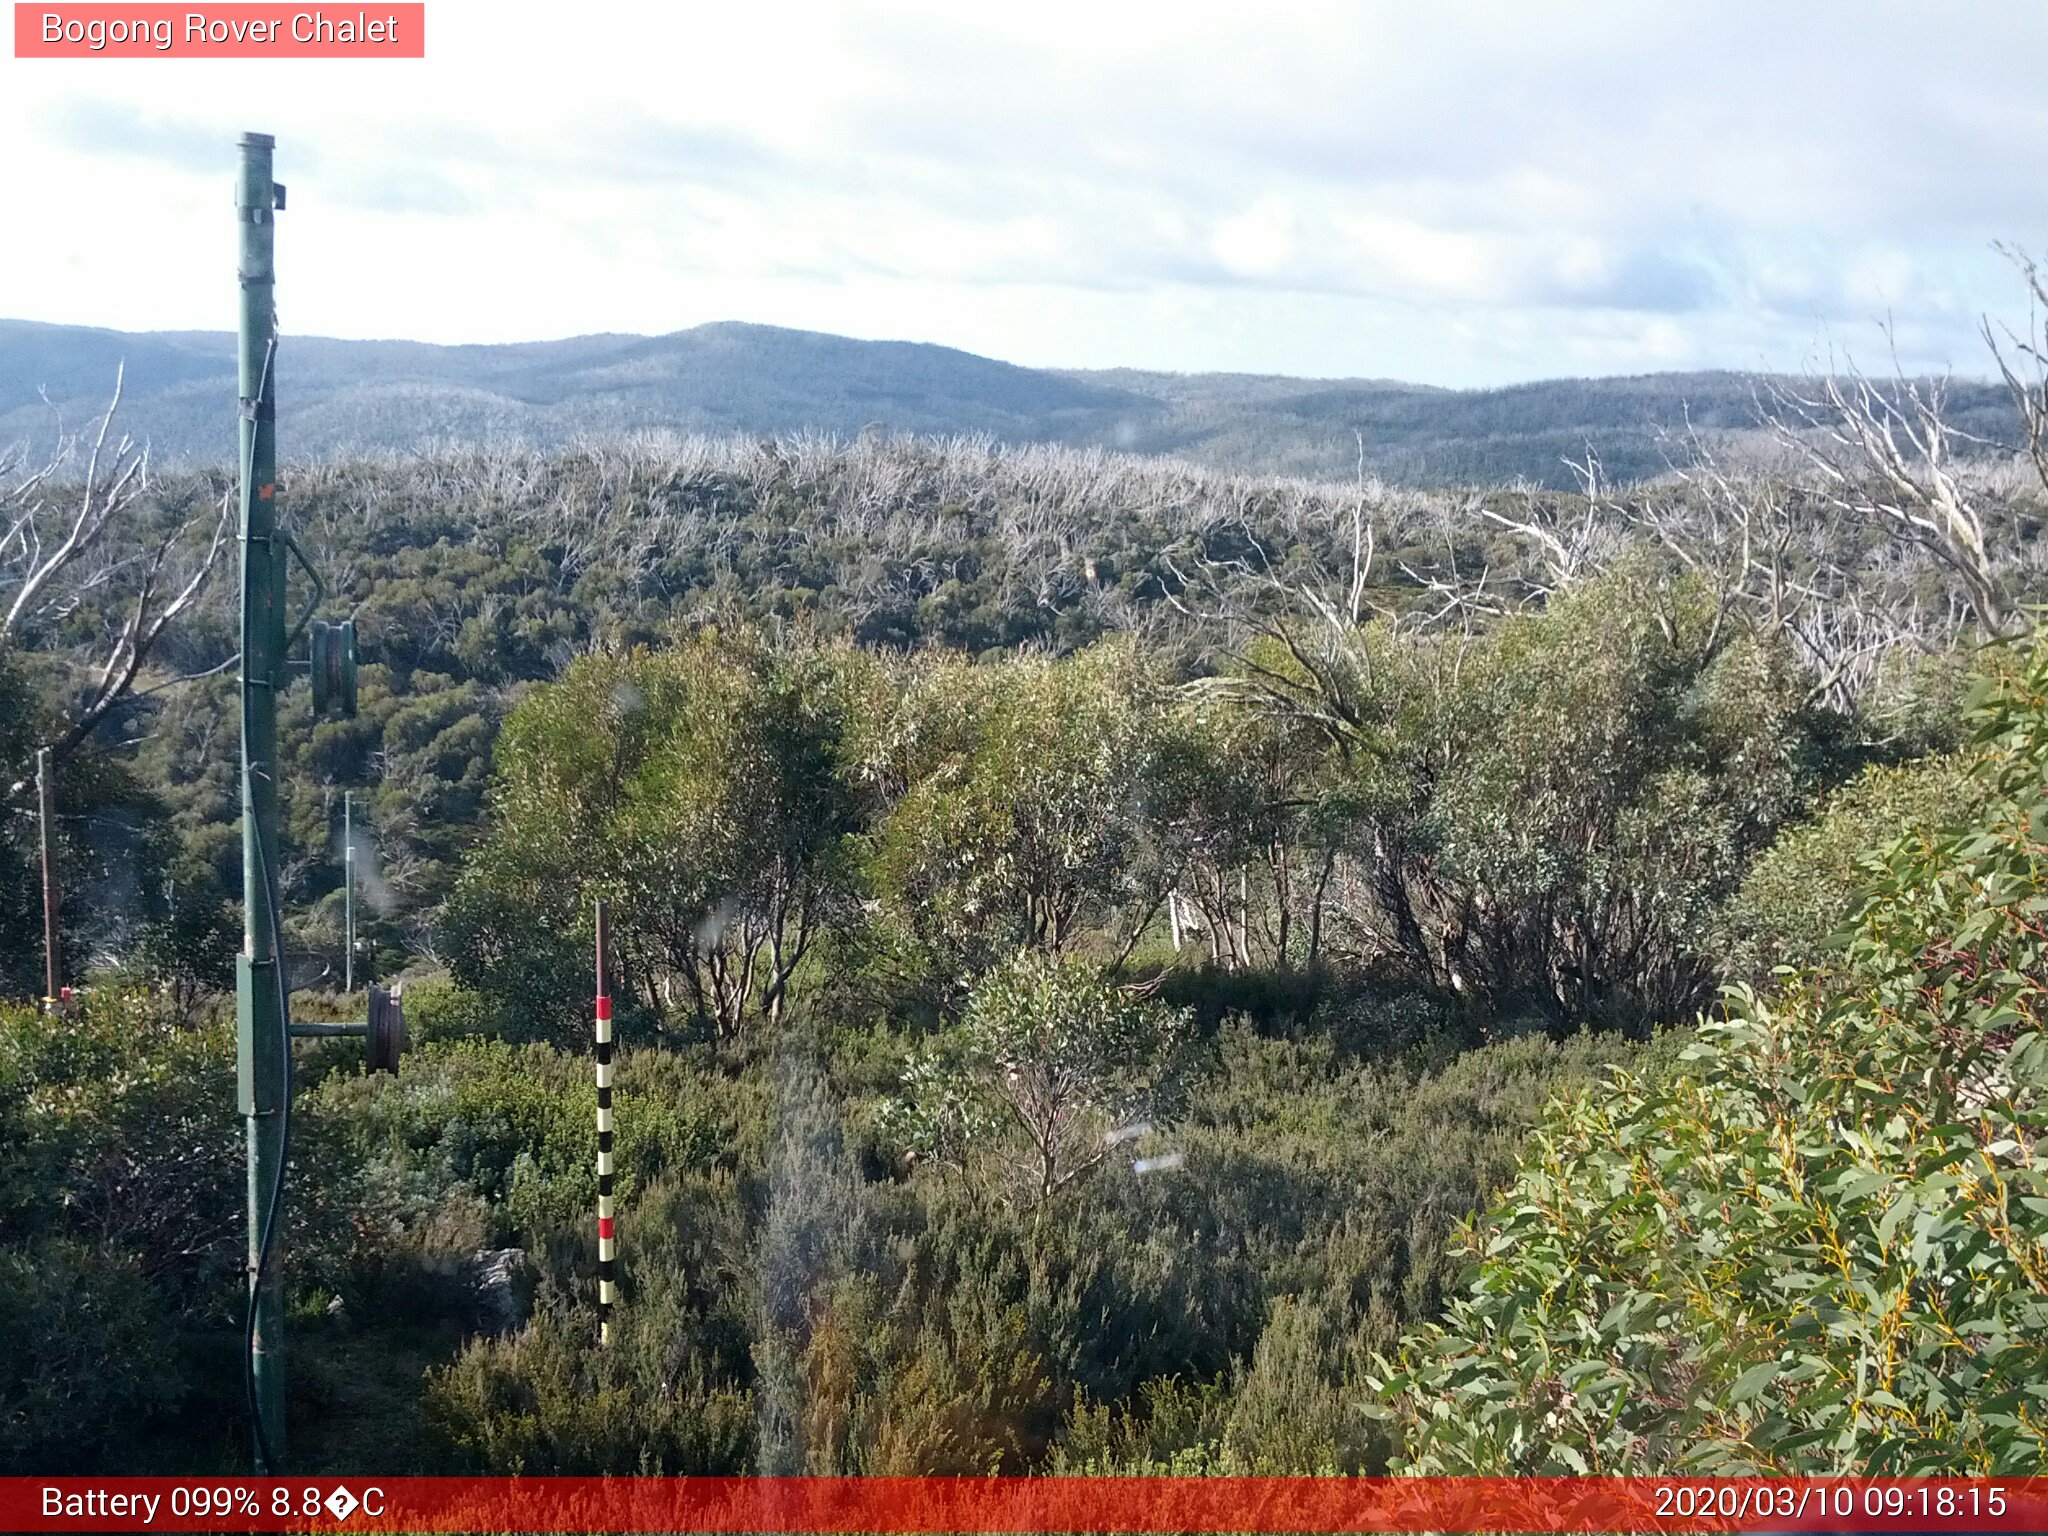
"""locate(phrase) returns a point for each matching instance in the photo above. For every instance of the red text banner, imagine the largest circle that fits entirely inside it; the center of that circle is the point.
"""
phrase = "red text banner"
(238, 31)
(1053, 1504)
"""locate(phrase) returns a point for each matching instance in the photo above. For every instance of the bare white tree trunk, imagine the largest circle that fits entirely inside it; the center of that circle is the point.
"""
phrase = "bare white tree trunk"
(42, 581)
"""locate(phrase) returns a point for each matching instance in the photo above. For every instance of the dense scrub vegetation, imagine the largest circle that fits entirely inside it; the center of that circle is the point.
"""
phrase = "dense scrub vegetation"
(474, 577)
(1088, 937)
(802, 1290)
(751, 806)
(1817, 1245)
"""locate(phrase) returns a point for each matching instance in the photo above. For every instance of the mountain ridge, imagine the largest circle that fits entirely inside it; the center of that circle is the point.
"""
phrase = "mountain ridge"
(734, 377)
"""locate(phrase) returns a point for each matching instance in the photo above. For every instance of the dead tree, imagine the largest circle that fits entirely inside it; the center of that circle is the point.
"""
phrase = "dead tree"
(2023, 362)
(66, 545)
(1572, 539)
(1887, 456)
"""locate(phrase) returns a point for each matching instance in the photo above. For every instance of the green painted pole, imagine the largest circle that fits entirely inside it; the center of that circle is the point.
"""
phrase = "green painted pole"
(262, 1065)
(348, 887)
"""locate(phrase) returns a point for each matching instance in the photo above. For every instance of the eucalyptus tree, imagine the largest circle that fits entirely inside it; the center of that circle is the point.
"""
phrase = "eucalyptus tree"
(703, 790)
(1020, 814)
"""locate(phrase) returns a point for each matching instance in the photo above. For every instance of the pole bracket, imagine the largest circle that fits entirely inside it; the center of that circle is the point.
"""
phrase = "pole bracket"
(383, 1033)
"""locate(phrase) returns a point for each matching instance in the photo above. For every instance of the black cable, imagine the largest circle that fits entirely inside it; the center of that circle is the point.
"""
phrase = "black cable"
(266, 1241)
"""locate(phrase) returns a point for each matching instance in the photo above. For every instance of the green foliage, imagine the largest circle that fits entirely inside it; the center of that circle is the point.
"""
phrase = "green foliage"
(515, 1127)
(1018, 818)
(1051, 1070)
(110, 856)
(438, 1012)
(1613, 774)
(1818, 1246)
(121, 1241)
(1800, 890)
(1294, 1408)
(550, 1401)
(21, 716)
(1396, 800)
(87, 1353)
(1238, 793)
(790, 1302)
(118, 1127)
(1284, 839)
(1232, 972)
(189, 949)
(702, 788)
(786, 1310)
(1543, 816)
(524, 949)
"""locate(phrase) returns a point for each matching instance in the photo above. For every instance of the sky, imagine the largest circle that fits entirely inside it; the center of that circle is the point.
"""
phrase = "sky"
(1450, 193)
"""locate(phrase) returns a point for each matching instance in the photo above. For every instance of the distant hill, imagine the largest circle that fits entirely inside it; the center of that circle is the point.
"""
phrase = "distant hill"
(339, 396)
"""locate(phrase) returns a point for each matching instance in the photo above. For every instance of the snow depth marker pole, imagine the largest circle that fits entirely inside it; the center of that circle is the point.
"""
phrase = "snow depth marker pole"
(607, 1249)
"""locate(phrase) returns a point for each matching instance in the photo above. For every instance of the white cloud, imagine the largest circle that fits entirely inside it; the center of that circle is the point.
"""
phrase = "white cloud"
(1461, 192)
(1258, 242)
(1426, 261)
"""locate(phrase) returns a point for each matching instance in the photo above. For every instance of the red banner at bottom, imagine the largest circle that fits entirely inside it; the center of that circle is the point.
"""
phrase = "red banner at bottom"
(943, 1504)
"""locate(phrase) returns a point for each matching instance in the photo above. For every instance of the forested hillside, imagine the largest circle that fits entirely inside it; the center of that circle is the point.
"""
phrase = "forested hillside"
(343, 397)
(1091, 932)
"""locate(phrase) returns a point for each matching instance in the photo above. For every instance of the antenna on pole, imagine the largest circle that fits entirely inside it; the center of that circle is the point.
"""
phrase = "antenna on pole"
(607, 1255)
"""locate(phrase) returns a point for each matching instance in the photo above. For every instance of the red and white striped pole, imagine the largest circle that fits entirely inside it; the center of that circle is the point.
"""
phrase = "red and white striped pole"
(607, 1249)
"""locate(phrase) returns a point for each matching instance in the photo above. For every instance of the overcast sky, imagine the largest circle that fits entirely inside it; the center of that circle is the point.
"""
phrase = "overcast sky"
(1450, 193)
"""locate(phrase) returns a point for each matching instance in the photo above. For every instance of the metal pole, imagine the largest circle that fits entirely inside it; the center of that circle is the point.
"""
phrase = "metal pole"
(348, 886)
(607, 1246)
(44, 814)
(262, 1064)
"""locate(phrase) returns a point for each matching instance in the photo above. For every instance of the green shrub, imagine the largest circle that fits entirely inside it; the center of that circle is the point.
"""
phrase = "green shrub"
(1052, 1068)
(1817, 1246)
(551, 1401)
(1802, 889)
(515, 1127)
(121, 1230)
(88, 1353)
(437, 1012)
(118, 1128)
